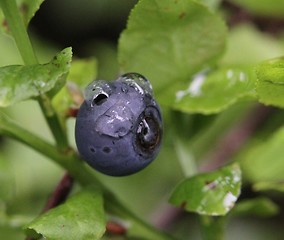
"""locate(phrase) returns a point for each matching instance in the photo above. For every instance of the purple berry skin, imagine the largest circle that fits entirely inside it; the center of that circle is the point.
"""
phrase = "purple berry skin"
(119, 125)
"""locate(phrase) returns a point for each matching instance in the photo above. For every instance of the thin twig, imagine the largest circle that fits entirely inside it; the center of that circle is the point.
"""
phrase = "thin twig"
(115, 228)
(59, 194)
(166, 215)
(235, 138)
(238, 15)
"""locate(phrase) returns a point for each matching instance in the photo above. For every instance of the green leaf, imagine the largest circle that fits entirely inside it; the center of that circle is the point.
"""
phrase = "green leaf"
(213, 92)
(6, 179)
(213, 193)
(265, 161)
(263, 165)
(212, 228)
(18, 83)
(168, 41)
(270, 84)
(263, 7)
(269, 185)
(261, 206)
(82, 72)
(27, 8)
(82, 217)
(246, 38)
(9, 54)
(212, 4)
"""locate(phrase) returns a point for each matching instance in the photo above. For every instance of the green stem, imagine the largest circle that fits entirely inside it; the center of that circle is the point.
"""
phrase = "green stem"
(140, 227)
(68, 160)
(212, 228)
(186, 159)
(77, 169)
(55, 125)
(18, 30)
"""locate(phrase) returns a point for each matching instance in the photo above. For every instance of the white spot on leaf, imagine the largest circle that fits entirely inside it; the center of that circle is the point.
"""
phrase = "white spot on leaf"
(229, 201)
(242, 76)
(194, 88)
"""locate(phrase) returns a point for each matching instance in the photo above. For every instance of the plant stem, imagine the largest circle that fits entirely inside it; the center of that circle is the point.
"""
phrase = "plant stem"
(212, 228)
(53, 122)
(17, 28)
(206, 140)
(68, 160)
(143, 228)
(185, 157)
(239, 15)
(60, 193)
(78, 170)
(236, 137)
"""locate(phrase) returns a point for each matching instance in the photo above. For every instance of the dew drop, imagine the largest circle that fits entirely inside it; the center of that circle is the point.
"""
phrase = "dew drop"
(124, 88)
(97, 91)
(138, 82)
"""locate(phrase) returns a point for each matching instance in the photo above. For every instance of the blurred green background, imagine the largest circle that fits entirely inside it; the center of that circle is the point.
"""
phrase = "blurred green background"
(92, 28)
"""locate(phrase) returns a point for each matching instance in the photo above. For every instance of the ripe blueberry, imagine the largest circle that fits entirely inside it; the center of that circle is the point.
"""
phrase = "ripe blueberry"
(119, 126)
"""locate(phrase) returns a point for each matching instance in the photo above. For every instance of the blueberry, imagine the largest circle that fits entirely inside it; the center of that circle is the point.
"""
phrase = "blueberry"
(119, 125)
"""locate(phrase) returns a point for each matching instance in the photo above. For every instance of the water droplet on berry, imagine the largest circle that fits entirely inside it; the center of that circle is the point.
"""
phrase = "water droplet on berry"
(97, 92)
(138, 82)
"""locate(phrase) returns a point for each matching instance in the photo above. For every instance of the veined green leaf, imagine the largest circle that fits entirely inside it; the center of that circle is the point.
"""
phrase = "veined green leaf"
(168, 41)
(81, 217)
(213, 193)
(270, 84)
(213, 92)
(18, 83)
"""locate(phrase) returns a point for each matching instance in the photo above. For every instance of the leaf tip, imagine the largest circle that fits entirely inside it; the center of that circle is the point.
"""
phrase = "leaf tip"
(31, 232)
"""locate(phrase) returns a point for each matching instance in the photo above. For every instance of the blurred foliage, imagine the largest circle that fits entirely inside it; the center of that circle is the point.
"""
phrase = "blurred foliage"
(92, 28)
(263, 7)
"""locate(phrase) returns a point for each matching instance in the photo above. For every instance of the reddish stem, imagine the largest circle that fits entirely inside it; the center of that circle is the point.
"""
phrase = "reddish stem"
(238, 15)
(59, 195)
(115, 228)
(235, 138)
(72, 112)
